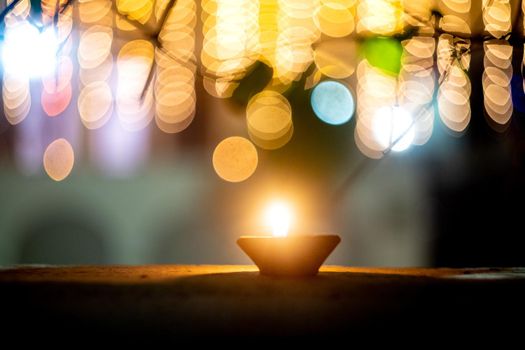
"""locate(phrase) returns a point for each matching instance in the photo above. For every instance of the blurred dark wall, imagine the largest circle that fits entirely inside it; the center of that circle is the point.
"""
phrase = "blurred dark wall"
(477, 194)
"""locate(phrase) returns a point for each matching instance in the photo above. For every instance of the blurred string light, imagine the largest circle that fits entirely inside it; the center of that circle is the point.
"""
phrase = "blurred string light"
(496, 82)
(235, 159)
(393, 127)
(395, 110)
(95, 104)
(156, 69)
(418, 15)
(114, 150)
(137, 10)
(498, 64)
(230, 29)
(38, 48)
(22, 43)
(57, 88)
(335, 18)
(95, 60)
(416, 86)
(383, 53)
(269, 30)
(456, 17)
(497, 17)
(380, 17)
(16, 97)
(15, 88)
(336, 58)
(453, 99)
(296, 33)
(135, 107)
(453, 68)
(332, 102)
(95, 12)
(375, 90)
(174, 87)
(269, 120)
(59, 158)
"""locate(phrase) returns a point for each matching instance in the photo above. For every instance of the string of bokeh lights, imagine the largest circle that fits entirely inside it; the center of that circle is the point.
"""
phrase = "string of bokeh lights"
(364, 64)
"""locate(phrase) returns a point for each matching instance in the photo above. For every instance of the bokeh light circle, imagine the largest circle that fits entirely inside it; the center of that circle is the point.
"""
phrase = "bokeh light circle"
(235, 159)
(95, 104)
(336, 58)
(269, 120)
(332, 102)
(393, 127)
(59, 158)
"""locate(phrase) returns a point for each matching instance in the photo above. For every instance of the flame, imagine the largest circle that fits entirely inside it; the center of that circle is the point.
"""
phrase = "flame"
(279, 217)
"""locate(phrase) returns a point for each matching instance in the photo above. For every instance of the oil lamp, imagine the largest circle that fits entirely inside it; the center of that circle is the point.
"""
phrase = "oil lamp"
(287, 255)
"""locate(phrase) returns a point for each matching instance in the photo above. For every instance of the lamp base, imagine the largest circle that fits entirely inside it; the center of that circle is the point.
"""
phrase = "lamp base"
(292, 256)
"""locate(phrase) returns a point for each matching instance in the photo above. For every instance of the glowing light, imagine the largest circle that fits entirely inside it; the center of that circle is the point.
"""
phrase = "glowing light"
(95, 100)
(496, 83)
(135, 106)
(94, 46)
(174, 88)
(230, 45)
(177, 35)
(418, 10)
(393, 128)
(459, 6)
(20, 11)
(336, 58)
(332, 102)
(95, 11)
(95, 104)
(384, 17)
(497, 17)
(269, 119)
(454, 92)
(375, 90)
(279, 217)
(62, 23)
(62, 77)
(16, 97)
(334, 18)
(417, 84)
(16, 93)
(384, 53)
(235, 159)
(457, 16)
(138, 10)
(59, 158)
(455, 24)
(56, 102)
(287, 31)
(99, 73)
(28, 53)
